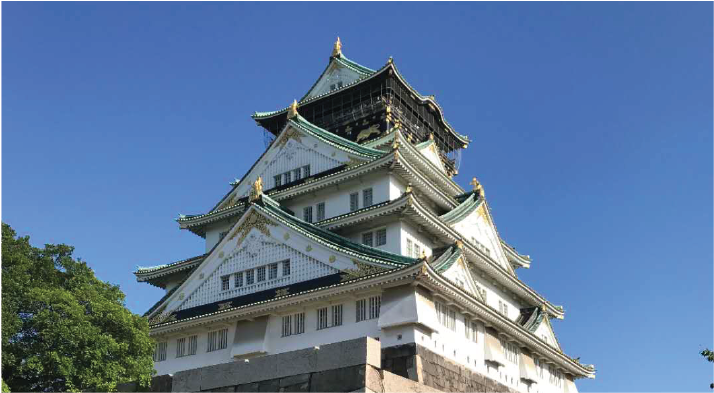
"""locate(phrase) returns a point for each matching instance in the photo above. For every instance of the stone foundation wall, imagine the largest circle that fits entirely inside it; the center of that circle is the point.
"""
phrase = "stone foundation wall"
(348, 366)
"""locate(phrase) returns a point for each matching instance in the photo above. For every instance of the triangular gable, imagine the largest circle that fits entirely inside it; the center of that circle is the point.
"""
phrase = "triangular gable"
(339, 73)
(428, 149)
(454, 269)
(545, 332)
(261, 238)
(298, 145)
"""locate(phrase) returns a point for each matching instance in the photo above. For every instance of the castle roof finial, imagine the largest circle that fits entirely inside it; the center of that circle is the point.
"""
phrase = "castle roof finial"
(478, 188)
(257, 190)
(337, 50)
(292, 110)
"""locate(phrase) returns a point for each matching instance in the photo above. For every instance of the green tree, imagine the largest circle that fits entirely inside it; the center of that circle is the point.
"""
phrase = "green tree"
(62, 328)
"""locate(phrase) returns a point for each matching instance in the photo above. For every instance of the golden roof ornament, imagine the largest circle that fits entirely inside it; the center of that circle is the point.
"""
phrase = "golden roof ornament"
(391, 60)
(431, 136)
(423, 254)
(459, 244)
(337, 50)
(408, 189)
(292, 110)
(478, 188)
(257, 190)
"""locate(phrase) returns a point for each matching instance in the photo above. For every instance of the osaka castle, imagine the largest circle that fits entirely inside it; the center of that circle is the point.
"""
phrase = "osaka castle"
(351, 225)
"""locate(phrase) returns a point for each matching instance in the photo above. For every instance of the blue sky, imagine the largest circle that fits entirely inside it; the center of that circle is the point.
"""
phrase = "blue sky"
(591, 122)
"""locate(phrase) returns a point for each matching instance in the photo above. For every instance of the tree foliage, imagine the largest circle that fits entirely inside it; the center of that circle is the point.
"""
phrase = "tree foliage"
(62, 328)
(708, 354)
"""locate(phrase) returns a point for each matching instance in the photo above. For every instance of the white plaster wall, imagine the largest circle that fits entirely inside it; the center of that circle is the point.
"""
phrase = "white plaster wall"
(202, 358)
(213, 234)
(477, 227)
(408, 231)
(393, 235)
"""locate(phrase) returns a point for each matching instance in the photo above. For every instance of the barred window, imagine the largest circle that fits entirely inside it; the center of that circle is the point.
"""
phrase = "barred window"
(474, 328)
(249, 277)
(272, 271)
(354, 201)
(287, 177)
(322, 318)
(361, 310)
(451, 321)
(417, 251)
(337, 315)
(375, 304)
(306, 171)
(299, 323)
(367, 239)
(539, 368)
(410, 246)
(239, 279)
(225, 283)
(160, 351)
(261, 274)
(293, 324)
(192, 345)
(296, 174)
(287, 326)
(181, 347)
(367, 197)
(320, 211)
(440, 312)
(217, 340)
(307, 214)
(278, 180)
(467, 329)
(286, 268)
(510, 350)
(381, 236)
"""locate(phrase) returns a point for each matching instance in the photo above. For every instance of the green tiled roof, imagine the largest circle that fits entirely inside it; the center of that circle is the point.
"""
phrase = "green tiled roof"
(330, 239)
(447, 259)
(347, 63)
(463, 210)
(530, 318)
(188, 261)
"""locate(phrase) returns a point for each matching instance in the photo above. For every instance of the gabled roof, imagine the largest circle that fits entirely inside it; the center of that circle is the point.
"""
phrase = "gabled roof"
(154, 272)
(530, 318)
(467, 206)
(449, 256)
(341, 60)
(333, 139)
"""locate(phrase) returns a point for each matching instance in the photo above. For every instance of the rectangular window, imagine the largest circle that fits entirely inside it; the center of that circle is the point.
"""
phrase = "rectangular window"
(467, 329)
(307, 214)
(261, 274)
(417, 251)
(381, 236)
(354, 201)
(440, 312)
(375, 304)
(451, 321)
(181, 347)
(287, 178)
(225, 283)
(296, 174)
(337, 315)
(286, 268)
(160, 351)
(192, 345)
(410, 247)
(272, 271)
(299, 323)
(306, 171)
(249, 277)
(322, 318)
(367, 197)
(339, 84)
(217, 340)
(287, 326)
(361, 310)
(367, 239)
(278, 180)
(474, 331)
(239, 279)
(320, 211)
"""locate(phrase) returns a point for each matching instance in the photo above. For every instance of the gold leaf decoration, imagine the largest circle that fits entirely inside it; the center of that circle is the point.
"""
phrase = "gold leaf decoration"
(354, 162)
(224, 306)
(161, 318)
(332, 259)
(363, 269)
(254, 220)
(282, 292)
(288, 134)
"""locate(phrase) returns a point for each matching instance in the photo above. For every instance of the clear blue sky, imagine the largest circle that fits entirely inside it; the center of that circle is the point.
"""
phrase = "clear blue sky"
(592, 130)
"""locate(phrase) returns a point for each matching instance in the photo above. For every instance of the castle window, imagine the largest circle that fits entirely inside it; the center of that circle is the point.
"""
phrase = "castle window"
(192, 345)
(322, 318)
(410, 246)
(217, 340)
(337, 315)
(354, 201)
(293, 324)
(320, 211)
(278, 180)
(361, 310)
(474, 331)
(287, 177)
(367, 239)
(451, 321)
(339, 84)
(375, 304)
(287, 326)
(249, 277)
(332, 87)
(261, 274)
(160, 351)
(306, 171)
(367, 197)
(417, 251)
(307, 214)
(239, 279)
(296, 174)
(181, 347)
(286, 268)
(225, 283)
(467, 329)
(381, 236)
(272, 271)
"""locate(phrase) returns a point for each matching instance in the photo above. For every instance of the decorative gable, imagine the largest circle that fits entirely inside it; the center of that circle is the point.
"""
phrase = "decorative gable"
(461, 276)
(477, 228)
(428, 149)
(546, 333)
(336, 76)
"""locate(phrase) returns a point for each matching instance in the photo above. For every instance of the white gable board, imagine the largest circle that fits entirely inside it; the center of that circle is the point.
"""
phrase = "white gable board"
(429, 151)
(477, 228)
(459, 274)
(333, 78)
(545, 331)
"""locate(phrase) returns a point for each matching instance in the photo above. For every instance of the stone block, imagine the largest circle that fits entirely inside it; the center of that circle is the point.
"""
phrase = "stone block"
(338, 380)
(248, 387)
(373, 379)
(296, 362)
(294, 380)
(271, 385)
(187, 381)
(374, 353)
(342, 354)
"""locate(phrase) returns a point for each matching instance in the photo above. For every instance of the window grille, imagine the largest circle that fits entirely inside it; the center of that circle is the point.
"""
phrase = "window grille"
(296, 174)
(367, 197)
(417, 251)
(410, 246)
(467, 329)
(225, 283)
(293, 324)
(474, 331)
(278, 180)
(272, 271)
(307, 214)
(287, 326)
(381, 237)
(337, 315)
(361, 310)
(322, 318)
(320, 211)
(354, 201)
(261, 274)
(306, 171)
(451, 321)
(286, 268)
(217, 340)
(440, 312)
(160, 351)
(181, 347)
(287, 177)
(239, 279)
(375, 303)
(299, 323)
(192, 345)
(249, 277)
(367, 239)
